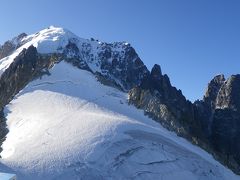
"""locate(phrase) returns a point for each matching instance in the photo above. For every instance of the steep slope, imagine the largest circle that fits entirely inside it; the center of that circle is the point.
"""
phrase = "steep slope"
(164, 103)
(220, 114)
(66, 105)
(117, 63)
(8, 47)
(69, 126)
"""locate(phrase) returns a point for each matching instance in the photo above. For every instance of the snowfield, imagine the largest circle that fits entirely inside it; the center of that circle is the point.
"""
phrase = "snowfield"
(54, 40)
(69, 126)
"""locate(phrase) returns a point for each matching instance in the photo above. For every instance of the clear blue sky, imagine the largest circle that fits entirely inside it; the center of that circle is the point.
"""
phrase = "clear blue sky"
(192, 40)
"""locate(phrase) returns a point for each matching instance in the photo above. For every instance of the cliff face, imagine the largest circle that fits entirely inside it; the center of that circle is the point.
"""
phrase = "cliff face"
(206, 107)
(212, 91)
(9, 46)
(225, 127)
(219, 114)
(164, 103)
(26, 66)
(213, 123)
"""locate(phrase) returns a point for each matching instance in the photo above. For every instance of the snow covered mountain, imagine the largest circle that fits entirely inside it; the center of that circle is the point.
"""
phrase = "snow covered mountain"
(109, 60)
(67, 111)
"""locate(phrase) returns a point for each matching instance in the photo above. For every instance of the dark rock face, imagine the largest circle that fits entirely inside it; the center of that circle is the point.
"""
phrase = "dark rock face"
(164, 103)
(225, 126)
(212, 91)
(229, 94)
(225, 137)
(71, 55)
(3, 129)
(128, 68)
(115, 64)
(8, 47)
(213, 123)
(26, 66)
(124, 67)
(219, 114)
(206, 107)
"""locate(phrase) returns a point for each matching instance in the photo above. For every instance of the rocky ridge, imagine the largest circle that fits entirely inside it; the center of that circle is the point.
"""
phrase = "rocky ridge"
(212, 123)
(164, 103)
(219, 112)
(9, 46)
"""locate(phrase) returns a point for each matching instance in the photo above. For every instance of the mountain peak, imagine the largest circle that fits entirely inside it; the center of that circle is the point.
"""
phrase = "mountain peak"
(213, 89)
(229, 94)
(54, 88)
(9, 46)
(156, 71)
(117, 62)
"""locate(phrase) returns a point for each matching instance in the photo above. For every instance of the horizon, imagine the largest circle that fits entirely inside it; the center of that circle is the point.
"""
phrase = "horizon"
(190, 42)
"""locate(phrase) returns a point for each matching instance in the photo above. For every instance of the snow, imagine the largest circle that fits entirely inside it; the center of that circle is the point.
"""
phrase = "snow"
(55, 39)
(69, 126)
(5, 176)
(91, 52)
(50, 40)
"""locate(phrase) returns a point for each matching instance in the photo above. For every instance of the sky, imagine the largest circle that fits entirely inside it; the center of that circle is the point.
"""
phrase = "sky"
(192, 40)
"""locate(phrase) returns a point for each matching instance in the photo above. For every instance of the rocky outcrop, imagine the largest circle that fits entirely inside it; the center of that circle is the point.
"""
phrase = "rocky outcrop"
(213, 123)
(225, 125)
(71, 55)
(8, 47)
(219, 114)
(206, 107)
(225, 137)
(229, 94)
(125, 68)
(115, 64)
(3, 129)
(164, 103)
(212, 91)
(25, 67)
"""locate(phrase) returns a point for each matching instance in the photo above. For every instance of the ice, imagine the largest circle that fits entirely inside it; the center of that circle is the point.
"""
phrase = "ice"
(69, 126)
(54, 40)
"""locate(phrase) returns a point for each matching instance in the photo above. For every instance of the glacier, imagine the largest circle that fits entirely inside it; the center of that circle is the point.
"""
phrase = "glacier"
(67, 125)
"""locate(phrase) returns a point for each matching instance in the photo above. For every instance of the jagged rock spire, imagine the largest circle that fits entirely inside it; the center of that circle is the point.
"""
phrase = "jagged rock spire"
(156, 72)
(213, 89)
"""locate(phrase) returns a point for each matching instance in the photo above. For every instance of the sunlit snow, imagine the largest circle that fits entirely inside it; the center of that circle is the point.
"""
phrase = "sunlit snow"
(69, 126)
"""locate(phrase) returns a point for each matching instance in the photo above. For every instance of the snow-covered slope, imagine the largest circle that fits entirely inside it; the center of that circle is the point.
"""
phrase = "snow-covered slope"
(118, 62)
(50, 40)
(69, 126)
